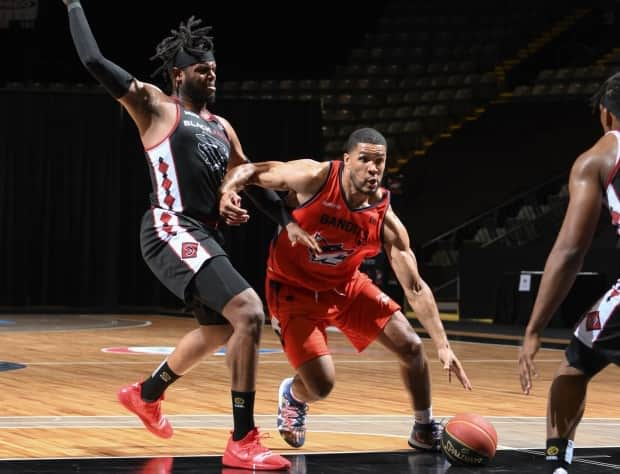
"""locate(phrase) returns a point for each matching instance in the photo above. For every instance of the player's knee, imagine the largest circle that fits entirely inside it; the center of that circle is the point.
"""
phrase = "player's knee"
(246, 313)
(251, 321)
(321, 388)
(412, 353)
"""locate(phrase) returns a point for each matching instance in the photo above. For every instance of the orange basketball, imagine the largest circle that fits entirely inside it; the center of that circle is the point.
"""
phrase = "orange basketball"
(469, 440)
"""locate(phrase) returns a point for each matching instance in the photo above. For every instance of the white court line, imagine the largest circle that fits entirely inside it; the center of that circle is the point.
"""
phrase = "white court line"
(273, 362)
(580, 459)
(508, 418)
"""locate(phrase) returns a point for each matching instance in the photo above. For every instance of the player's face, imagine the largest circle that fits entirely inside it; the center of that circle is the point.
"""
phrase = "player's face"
(365, 166)
(199, 82)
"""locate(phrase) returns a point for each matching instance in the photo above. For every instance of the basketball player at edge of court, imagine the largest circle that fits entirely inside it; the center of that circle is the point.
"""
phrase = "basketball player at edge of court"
(342, 204)
(189, 150)
(594, 180)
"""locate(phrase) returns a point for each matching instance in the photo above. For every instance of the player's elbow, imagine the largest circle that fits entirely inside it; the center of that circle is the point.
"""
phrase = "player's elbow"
(92, 60)
(571, 256)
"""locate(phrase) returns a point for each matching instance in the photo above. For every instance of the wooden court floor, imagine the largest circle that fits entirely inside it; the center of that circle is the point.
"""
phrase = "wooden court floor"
(63, 403)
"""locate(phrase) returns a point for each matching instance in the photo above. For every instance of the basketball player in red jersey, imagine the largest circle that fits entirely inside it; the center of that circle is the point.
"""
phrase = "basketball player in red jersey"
(594, 180)
(343, 206)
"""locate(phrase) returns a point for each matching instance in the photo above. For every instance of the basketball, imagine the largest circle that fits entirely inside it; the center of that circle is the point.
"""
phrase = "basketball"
(469, 440)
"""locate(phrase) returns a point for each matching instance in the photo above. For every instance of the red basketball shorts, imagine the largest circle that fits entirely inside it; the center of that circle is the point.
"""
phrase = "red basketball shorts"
(300, 316)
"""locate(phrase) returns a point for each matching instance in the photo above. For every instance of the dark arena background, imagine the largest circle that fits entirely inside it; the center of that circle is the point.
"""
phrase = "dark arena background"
(485, 105)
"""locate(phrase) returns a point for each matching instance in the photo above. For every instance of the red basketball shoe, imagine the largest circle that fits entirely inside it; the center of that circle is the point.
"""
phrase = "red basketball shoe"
(148, 412)
(249, 453)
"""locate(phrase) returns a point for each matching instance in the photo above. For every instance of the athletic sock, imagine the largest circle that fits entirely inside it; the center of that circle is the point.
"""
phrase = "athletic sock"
(154, 386)
(243, 413)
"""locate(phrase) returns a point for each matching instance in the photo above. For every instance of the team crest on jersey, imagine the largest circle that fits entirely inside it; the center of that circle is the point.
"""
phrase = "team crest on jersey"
(332, 254)
(593, 321)
(189, 250)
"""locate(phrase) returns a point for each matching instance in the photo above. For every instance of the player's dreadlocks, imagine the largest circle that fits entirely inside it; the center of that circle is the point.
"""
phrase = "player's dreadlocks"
(186, 46)
(608, 95)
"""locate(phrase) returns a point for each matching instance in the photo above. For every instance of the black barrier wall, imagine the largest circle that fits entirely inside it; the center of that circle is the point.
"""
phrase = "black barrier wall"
(74, 186)
(489, 283)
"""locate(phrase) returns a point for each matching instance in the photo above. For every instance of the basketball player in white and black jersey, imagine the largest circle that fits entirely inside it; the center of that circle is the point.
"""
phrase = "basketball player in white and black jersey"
(189, 150)
(594, 181)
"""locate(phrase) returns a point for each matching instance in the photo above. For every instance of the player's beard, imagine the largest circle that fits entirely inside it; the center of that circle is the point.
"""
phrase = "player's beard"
(359, 186)
(198, 93)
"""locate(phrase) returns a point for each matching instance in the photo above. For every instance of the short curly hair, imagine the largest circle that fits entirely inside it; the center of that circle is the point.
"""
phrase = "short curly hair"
(364, 135)
(608, 95)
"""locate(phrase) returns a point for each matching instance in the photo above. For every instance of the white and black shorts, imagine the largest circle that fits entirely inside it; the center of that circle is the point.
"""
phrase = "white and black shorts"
(596, 340)
(176, 248)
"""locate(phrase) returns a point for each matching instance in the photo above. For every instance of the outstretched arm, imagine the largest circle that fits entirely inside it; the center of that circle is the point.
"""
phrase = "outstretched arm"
(418, 293)
(266, 200)
(565, 259)
(303, 177)
(114, 78)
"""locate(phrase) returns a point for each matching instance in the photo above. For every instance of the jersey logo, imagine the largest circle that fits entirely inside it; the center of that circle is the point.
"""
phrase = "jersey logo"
(332, 254)
(213, 152)
(189, 250)
(593, 322)
(613, 293)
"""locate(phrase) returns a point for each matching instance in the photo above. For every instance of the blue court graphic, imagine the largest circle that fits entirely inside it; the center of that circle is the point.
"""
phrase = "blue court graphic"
(6, 366)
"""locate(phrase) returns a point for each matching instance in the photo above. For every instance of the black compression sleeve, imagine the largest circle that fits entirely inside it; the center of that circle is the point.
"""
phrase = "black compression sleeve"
(269, 203)
(114, 78)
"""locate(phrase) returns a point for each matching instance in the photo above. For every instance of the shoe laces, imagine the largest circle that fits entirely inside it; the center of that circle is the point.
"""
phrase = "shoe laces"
(254, 444)
(294, 414)
(436, 429)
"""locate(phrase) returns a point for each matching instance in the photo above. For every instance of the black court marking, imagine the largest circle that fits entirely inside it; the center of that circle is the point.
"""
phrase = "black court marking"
(399, 462)
(6, 366)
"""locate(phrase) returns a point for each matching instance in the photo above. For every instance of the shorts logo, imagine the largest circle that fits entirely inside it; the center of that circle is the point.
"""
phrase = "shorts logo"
(383, 299)
(189, 250)
(593, 322)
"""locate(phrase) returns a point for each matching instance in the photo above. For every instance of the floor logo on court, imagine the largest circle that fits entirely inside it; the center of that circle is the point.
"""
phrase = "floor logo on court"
(165, 350)
(6, 366)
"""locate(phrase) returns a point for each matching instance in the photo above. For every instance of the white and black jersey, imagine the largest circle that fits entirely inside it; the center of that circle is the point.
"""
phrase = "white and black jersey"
(188, 166)
(178, 233)
(599, 328)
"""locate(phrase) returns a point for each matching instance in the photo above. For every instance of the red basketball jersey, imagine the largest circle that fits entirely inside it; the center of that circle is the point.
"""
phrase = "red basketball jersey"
(347, 236)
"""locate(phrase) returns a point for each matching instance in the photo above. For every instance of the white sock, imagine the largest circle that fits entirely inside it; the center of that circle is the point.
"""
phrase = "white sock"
(423, 417)
(290, 390)
(560, 470)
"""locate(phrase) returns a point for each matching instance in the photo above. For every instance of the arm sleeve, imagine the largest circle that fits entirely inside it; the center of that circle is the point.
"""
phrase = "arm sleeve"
(269, 203)
(112, 77)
